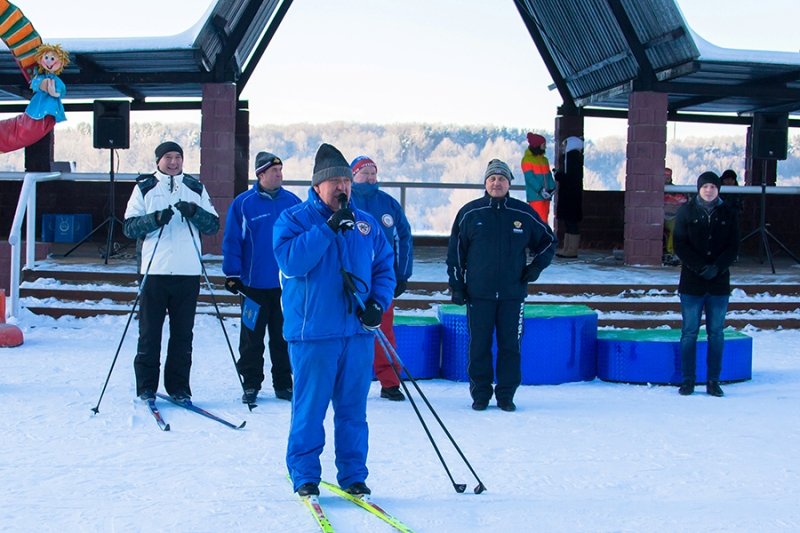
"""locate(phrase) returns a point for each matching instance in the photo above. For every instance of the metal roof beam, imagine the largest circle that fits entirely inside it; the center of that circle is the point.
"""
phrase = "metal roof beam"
(646, 72)
(86, 64)
(252, 63)
(777, 80)
(533, 29)
(78, 107)
(227, 56)
(718, 91)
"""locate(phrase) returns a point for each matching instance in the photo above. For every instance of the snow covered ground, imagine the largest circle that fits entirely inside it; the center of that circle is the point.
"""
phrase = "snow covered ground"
(578, 457)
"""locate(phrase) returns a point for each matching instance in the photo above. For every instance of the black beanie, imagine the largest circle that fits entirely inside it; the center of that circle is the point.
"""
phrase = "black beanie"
(708, 177)
(168, 146)
(329, 163)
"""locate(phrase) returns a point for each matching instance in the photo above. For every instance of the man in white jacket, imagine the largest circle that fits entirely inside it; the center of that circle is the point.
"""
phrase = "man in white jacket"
(173, 279)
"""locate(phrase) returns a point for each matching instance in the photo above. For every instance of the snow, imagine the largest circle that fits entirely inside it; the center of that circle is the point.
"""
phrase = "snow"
(712, 52)
(576, 457)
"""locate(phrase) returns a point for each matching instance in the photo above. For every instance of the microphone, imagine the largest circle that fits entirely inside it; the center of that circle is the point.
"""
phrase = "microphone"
(342, 199)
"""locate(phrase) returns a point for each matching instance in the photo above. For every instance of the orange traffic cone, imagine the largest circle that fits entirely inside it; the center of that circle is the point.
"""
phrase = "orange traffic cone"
(10, 335)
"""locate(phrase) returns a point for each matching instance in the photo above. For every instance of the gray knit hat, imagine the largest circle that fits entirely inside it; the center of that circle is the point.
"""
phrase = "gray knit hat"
(498, 167)
(264, 160)
(330, 163)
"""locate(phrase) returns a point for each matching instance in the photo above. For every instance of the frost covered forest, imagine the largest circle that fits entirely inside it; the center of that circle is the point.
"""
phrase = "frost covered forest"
(410, 152)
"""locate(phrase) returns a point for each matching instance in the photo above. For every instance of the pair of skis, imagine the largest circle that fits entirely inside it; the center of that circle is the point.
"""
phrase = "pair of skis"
(364, 501)
(189, 406)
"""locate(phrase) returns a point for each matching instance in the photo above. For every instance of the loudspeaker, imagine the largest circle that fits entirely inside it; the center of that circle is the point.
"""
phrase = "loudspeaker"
(112, 124)
(770, 135)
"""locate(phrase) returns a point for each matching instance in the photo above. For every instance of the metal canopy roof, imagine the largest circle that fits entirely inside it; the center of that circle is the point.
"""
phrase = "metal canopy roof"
(224, 46)
(599, 51)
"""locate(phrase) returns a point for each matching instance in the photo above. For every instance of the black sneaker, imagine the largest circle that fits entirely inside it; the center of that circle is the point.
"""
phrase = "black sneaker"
(308, 489)
(358, 488)
(506, 405)
(181, 396)
(687, 388)
(249, 396)
(712, 388)
(147, 395)
(480, 405)
(392, 393)
(284, 394)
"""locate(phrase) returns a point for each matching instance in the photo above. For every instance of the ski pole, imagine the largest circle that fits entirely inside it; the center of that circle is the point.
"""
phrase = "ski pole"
(390, 353)
(96, 408)
(250, 406)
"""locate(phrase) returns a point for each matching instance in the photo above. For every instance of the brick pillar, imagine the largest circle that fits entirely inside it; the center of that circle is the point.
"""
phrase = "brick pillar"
(644, 180)
(242, 165)
(39, 155)
(566, 126)
(754, 168)
(218, 152)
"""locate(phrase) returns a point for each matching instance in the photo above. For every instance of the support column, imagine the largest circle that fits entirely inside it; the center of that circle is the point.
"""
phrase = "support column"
(218, 153)
(39, 155)
(754, 168)
(566, 126)
(644, 180)
(242, 166)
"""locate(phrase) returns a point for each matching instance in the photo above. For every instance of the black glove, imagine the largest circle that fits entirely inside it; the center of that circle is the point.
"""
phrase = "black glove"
(458, 297)
(164, 216)
(709, 271)
(187, 209)
(400, 288)
(531, 273)
(342, 219)
(234, 285)
(371, 316)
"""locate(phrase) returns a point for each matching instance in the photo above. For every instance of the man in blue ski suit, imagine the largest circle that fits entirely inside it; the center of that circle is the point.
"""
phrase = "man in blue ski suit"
(330, 336)
(387, 211)
(250, 269)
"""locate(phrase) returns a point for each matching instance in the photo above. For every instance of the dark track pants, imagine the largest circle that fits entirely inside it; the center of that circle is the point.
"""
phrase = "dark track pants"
(162, 295)
(251, 343)
(483, 317)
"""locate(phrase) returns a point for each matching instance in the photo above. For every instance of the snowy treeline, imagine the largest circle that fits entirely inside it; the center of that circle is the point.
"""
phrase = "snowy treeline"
(410, 152)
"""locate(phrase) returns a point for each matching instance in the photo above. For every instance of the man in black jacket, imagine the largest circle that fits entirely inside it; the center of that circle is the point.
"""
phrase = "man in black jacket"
(488, 271)
(706, 240)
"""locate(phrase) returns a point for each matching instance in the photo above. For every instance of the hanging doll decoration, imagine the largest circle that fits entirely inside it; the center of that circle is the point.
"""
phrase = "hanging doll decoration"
(45, 108)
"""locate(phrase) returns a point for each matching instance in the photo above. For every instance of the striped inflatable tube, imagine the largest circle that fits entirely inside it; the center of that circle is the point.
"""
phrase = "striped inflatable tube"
(20, 37)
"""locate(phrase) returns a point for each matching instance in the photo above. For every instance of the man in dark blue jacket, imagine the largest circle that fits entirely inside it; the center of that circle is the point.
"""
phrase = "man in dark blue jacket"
(249, 265)
(330, 335)
(706, 240)
(488, 270)
(387, 211)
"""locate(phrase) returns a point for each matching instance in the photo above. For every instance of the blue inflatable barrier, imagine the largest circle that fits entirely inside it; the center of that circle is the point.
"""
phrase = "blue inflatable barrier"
(654, 356)
(419, 340)
(559, 344)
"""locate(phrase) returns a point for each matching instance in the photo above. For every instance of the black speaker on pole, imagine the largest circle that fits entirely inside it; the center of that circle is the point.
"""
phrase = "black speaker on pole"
(112, 124)
(770, 136)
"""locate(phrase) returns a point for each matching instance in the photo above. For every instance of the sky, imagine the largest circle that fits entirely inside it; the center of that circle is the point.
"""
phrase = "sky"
(463, 62)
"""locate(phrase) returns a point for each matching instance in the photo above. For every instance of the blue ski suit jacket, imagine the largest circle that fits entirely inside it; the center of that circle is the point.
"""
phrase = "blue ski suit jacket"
(393, 222)
(310, 256)
(247, 244)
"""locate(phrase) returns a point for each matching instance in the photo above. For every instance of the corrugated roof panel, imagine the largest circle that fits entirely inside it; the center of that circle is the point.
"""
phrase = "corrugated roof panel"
(660, 27)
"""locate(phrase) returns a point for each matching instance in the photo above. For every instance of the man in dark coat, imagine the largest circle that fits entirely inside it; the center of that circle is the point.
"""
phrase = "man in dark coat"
(488, 270)
(569, 196)
(706, 240)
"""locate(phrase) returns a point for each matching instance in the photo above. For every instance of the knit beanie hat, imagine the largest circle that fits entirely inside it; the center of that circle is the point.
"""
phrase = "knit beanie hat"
(165, 147)
(361, 162)
(329, 163)
(708, 177)
(535, 140)
(728, 174)
(264, 160)
(498, 167)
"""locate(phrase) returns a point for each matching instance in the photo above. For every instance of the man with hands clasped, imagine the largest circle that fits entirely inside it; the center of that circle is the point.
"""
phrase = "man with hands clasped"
(171, 250)
(251, 270)
(489, 273)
